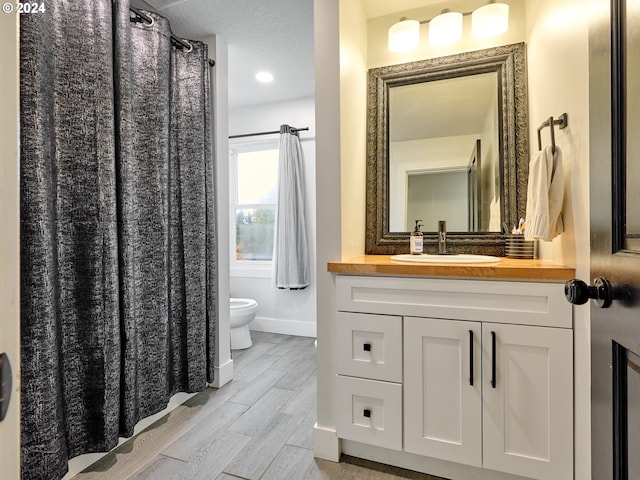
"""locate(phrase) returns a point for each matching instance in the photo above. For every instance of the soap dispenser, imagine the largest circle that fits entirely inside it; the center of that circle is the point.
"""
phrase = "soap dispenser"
(415, 246)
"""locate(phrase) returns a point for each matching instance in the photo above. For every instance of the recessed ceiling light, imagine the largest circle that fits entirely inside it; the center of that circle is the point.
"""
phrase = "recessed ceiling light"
(264, 77)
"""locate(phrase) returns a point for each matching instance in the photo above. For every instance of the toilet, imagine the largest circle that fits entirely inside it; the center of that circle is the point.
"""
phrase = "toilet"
(243, 311)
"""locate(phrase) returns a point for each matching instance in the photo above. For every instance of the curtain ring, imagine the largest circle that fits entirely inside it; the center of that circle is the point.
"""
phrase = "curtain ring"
(149, 24)
(190, 46)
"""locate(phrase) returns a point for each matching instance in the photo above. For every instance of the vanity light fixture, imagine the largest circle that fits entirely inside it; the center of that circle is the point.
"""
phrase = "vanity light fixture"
(490, 20)
(487, 21)
(446, 28)
(404, 35)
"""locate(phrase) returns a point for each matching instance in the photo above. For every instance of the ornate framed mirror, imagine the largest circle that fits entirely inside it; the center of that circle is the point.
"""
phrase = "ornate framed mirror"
(447, 139)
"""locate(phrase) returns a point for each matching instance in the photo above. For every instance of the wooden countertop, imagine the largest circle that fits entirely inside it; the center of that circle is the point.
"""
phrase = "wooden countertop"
(505, 268)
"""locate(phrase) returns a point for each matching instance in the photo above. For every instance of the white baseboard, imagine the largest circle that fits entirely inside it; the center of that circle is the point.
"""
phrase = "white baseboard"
(326, 444)
(284, 327)
(222, 374)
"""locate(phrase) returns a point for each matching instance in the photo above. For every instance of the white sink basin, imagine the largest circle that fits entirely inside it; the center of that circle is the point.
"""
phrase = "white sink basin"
(457, 258)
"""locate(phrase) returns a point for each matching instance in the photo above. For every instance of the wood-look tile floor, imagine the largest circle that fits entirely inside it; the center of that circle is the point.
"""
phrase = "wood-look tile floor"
(258, 426)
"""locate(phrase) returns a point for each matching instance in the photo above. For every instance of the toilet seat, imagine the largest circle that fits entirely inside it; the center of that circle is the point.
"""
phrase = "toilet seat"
(242, 303)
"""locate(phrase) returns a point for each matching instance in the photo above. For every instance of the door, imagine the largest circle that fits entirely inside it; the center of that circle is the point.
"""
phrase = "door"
(443, 389)
(9, 249)
(615, 237)
(527, 392)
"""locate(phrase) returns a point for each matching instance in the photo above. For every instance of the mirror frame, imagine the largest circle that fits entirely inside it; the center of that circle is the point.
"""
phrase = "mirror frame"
(509, 62)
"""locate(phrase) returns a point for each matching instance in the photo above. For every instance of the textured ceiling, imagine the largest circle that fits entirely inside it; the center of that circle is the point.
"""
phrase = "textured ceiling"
(274, 35)
(443, 108)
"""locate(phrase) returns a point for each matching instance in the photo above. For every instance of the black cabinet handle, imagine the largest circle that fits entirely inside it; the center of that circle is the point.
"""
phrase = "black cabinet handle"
(471, 358)
(367, 413)
(493, 359)
(366, 347)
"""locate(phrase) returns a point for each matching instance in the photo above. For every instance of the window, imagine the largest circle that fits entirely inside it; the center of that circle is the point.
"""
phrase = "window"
(254, 170)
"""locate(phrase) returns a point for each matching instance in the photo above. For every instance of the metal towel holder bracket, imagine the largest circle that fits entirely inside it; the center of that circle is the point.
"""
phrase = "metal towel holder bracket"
(562, 122)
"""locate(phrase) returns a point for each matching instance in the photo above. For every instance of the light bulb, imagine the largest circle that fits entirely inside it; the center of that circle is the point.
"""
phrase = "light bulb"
(490, 20)
(404, 35)
(445, 29)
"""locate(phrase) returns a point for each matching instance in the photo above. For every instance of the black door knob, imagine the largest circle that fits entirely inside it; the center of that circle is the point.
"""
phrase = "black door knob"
(5, 384)
(578, 292)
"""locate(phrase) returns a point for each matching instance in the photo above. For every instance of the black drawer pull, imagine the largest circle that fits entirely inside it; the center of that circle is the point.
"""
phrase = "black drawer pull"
(366, 347)
(367, 413)
(471, 358)
(493, 359)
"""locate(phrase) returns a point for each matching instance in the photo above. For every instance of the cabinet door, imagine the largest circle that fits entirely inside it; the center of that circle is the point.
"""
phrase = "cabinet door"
(442, 389)
(528, 400)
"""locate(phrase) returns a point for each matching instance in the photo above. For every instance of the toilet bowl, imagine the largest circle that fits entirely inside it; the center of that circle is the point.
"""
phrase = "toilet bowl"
(243, 311)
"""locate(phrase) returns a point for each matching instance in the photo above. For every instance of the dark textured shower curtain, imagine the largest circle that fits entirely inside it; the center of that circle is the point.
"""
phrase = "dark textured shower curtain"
(117, 228)
(70, 335)
(192, 221)
(162, 115)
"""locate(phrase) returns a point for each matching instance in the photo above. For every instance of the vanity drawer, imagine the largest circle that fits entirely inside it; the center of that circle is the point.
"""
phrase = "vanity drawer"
(369, 411)
(369, 346)
(524, 303)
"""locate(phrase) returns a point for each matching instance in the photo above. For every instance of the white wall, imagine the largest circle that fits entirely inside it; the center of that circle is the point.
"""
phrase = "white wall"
(558, 42)
(353, 112)
(9, 239)
(328, 236)
(219, 51)
(281, 311)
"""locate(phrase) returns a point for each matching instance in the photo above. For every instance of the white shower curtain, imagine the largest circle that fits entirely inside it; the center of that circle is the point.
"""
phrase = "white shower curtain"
(290, 250)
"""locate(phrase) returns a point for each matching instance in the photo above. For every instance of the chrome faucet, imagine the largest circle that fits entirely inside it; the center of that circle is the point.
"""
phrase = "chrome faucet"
(442, 237)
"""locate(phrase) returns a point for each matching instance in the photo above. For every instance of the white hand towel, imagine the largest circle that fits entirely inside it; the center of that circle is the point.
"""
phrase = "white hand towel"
(494, 214)
(545, 194)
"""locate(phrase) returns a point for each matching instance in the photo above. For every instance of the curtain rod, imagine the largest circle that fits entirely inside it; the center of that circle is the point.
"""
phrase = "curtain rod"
(176, 40)
(294, 130)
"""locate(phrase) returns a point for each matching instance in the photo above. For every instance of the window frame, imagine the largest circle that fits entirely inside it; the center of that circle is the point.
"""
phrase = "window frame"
(246, 268)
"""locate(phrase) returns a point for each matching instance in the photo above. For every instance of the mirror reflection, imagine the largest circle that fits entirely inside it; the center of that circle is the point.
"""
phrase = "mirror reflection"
(444, 154)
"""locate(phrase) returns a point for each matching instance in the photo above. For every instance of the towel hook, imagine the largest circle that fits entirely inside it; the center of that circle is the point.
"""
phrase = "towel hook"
(562, 122)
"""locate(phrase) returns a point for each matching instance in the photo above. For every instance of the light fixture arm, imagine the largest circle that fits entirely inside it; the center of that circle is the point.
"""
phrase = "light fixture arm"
(446, 10)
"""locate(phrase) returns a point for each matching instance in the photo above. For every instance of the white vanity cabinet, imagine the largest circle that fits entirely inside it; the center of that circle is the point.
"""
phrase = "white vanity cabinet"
(486, 376)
